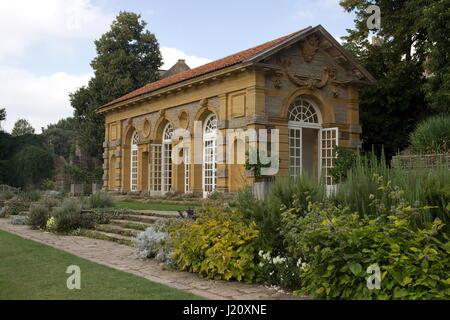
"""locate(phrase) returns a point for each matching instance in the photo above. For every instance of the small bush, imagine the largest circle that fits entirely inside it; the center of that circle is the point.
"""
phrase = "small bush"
(49, 184)
(30, 196)
(337, 246)
(101, 200)
(7, 195)
(217, 245)
(345, 161)
(19, 220)
(150, 242)
(432, 135)
(16, 206)
(38, 216)
(68, 216)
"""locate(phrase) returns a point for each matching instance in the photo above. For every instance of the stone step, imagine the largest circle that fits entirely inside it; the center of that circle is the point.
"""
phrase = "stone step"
(129, 241)
(117, 230)
(140, 218)
(156, 213)
(134, 225)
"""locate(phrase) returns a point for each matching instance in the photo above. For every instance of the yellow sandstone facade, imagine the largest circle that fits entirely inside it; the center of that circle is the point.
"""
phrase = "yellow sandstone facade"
(305, 85)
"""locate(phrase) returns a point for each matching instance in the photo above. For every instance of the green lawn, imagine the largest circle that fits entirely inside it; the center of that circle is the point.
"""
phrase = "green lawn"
(30, 270)
(135, 205)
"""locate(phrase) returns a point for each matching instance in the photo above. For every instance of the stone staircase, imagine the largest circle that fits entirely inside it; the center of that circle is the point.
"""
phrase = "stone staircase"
(125, 228)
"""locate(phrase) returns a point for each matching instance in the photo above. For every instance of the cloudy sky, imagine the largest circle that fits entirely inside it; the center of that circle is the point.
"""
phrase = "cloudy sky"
(47, 45)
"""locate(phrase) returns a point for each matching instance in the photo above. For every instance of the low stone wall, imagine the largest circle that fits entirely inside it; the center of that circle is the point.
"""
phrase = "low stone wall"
(422, 161)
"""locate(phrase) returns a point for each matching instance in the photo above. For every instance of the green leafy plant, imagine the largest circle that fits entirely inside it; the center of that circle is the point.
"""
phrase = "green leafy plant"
(345, 160)
(255, 167)
(217, 245)
(432, 135)
(337, 246)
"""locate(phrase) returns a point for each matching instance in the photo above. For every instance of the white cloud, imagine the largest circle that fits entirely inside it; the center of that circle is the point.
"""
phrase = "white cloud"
(55, 23)
(39, 99)
(171, 56)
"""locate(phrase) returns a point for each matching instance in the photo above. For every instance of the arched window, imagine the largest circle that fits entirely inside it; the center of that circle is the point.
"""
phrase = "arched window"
(303, 114)
(167, 158)
(210, 154)
(303, 111)
(134, 161)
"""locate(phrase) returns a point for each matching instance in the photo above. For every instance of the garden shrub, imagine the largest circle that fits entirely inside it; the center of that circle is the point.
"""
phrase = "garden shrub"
(344, 162)
(69, 216)
(19, 220)
(29, 196)
(7, 195)
(217, 245)
(280, 271)
(336, 246)
(16, 206)
(100, 200)
(267, 214)
(150, 244)
(38, 216)
(432, 135)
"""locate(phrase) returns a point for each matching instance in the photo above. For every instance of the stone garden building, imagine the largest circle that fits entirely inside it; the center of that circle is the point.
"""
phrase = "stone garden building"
(304, 84)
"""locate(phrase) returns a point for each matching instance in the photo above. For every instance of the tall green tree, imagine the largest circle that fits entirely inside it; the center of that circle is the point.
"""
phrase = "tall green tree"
(391, 109)
(2, 114)
(61, 136)
(128, 57)
(437, 17)
(22, 127)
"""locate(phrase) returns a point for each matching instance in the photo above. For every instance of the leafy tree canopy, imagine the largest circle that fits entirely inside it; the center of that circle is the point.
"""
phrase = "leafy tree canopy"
(22, 127)
(402, 96)
(128, 57)
(61, 137)
(2, 114)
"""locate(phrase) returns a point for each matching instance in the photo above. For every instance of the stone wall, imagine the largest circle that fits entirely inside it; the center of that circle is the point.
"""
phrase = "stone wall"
(423, 161)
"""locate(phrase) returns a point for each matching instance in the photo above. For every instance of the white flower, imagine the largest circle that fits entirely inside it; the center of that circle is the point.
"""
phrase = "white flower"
(261, 264)
(271, 273)
(260, 253)
(299, 262)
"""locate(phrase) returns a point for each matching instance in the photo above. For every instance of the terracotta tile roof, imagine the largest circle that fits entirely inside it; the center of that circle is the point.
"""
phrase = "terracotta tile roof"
(204, 69)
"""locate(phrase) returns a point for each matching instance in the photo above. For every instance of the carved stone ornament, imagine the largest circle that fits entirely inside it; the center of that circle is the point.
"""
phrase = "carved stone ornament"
(276, 80)
(329, 75)
(203, 102)
(162, 112)
(309, 48)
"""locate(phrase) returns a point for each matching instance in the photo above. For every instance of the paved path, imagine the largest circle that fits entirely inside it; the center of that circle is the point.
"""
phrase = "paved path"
(122, 258)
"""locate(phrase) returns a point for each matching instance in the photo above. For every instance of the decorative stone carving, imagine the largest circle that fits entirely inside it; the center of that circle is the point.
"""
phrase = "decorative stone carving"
(329, 75)
(162, 112)
(203, 102)
(276, 79)
(309, 48)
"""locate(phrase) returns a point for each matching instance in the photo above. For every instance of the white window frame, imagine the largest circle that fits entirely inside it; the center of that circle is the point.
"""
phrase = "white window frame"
(134, 164)
(209, 168)
(302, 114)
(167, 158)
(328, 139)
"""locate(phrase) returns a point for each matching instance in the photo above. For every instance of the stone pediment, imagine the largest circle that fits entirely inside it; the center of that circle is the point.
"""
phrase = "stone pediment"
(314, 59)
